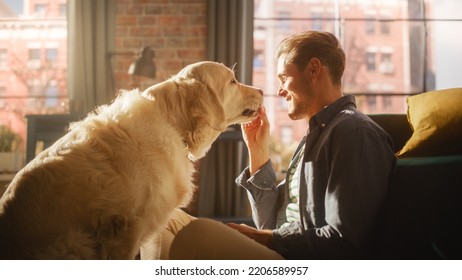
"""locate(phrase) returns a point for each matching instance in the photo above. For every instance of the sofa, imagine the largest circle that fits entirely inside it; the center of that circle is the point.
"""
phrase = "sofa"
(422, 216)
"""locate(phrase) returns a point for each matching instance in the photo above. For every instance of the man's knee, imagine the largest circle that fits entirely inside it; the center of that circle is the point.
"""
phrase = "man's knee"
(209, 239)
(194, 239)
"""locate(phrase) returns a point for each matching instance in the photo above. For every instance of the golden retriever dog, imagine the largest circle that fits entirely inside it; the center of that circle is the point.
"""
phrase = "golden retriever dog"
(118, 174)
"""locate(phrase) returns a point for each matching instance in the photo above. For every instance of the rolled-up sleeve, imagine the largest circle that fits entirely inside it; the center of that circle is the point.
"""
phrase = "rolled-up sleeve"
(263, 194)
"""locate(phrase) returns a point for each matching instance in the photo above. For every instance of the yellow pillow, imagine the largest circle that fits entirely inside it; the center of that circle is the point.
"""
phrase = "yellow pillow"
(436, 120)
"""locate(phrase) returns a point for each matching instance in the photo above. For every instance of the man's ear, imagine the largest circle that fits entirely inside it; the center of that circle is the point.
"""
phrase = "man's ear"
(314, 66)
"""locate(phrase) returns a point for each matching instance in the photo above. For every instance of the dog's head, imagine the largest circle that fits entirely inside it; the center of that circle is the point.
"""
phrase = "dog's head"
(220, 102)
(202, 100)
(239, 102)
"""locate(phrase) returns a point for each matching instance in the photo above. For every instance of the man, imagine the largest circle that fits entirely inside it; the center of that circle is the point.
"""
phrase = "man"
(327, 206)
(343, 167)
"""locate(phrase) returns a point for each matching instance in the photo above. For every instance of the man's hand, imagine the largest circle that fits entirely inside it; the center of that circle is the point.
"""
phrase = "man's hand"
(256, 137)
(264, 237)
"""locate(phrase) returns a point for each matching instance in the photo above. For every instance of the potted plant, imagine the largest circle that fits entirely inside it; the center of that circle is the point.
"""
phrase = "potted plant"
(10, 157)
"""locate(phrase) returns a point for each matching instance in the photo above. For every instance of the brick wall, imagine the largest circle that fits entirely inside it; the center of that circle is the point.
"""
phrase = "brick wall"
(175, 29)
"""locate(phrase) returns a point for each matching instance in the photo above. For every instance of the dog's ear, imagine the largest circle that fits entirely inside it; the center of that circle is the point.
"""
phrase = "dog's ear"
(206, 112)
(205, 105)
(212, 111)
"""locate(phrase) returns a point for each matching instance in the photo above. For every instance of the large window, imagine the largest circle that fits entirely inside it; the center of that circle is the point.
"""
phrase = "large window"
(394, 49)
(33, 61)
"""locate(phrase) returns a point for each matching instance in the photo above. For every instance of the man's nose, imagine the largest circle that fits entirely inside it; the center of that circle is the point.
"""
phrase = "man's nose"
(281, 91)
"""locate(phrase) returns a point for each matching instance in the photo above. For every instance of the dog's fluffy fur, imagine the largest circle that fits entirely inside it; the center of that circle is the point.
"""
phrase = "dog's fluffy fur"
(115, 177)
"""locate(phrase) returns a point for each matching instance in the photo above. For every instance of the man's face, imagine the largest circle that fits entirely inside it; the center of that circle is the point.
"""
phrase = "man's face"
(294, 88)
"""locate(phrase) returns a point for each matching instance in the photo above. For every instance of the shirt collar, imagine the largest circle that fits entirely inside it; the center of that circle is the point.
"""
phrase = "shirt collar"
(328, 113)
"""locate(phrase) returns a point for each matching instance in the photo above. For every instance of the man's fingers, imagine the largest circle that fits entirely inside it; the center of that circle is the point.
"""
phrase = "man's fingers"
(240, 227)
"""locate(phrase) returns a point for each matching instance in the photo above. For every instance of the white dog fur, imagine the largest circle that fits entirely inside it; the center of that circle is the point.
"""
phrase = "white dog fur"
(115, 177)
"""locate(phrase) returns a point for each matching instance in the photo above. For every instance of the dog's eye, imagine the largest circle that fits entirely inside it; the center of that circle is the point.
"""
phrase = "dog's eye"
(233, 81)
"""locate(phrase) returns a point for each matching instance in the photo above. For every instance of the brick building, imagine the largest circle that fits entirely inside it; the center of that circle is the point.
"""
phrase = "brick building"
(33, 61)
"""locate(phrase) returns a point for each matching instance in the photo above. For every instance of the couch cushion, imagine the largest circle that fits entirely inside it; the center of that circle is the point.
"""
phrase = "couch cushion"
(396, 125)
(436, 120)
(422, 218)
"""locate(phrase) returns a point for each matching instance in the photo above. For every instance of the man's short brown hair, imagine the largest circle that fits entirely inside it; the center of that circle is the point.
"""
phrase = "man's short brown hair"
(302, 47)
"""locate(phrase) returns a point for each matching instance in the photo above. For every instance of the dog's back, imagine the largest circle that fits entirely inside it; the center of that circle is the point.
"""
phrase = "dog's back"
(99, 189)
(29, 224)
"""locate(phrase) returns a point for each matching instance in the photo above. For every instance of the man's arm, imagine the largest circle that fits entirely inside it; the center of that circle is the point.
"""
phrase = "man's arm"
(256, 137)
(263, 195)
(259, 179)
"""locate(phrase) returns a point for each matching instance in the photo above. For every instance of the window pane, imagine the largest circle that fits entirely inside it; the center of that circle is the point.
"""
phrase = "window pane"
(3, 59)
(445, 43)
(33, 62)
(390, 63)
(51, 55)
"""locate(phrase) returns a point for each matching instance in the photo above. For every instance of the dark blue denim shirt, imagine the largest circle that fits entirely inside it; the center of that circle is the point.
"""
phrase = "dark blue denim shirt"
(347, 165)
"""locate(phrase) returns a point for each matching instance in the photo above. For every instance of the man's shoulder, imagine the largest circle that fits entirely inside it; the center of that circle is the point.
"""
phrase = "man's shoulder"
(352, 120)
